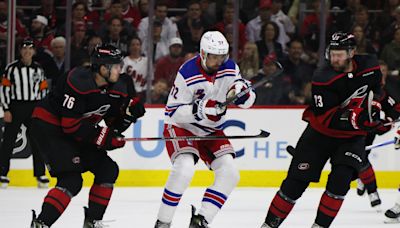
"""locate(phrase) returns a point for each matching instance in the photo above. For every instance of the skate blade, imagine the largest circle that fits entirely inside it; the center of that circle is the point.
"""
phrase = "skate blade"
(377, 208)
(4, 185)
(391, 220)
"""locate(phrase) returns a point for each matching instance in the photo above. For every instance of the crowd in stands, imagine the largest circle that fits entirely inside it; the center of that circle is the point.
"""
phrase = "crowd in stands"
(269, 30)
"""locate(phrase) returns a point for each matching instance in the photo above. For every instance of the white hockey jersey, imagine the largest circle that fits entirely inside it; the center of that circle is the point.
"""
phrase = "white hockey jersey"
(137, 70)
(193, 83)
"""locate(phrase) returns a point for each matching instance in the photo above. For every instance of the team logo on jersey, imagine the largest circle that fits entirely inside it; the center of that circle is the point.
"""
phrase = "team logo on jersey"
(76, 160)
(350, 75)
(100, 111)
(303, 166)
(355, 99)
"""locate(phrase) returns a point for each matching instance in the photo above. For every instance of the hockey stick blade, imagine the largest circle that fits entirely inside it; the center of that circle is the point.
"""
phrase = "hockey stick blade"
(262, 134)
(257, 84)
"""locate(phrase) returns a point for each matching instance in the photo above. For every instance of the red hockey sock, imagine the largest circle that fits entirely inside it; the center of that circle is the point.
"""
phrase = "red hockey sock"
(99, 197)
(55, 202)
(328, 208)
(367, 176)
(279, 209)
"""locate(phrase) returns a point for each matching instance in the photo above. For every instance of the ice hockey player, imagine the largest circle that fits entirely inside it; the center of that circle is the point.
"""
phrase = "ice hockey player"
(393, 214)
(202, 83)
(67, 131)
(389, 98)
(338, 121)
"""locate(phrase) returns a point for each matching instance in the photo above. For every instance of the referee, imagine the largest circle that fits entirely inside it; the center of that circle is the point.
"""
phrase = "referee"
(22, 86)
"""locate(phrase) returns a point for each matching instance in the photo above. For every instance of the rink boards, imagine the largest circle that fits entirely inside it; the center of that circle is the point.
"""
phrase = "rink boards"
(262, 162)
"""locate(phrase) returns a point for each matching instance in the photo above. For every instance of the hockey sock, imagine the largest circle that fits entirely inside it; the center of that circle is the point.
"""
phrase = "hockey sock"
(226, 178)
(328, 208)
(99, 196)
(55, 202)
(178, 181)
(279, 209)
(367, 176)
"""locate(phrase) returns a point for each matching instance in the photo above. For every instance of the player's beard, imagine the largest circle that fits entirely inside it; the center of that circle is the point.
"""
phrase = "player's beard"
(342, 68)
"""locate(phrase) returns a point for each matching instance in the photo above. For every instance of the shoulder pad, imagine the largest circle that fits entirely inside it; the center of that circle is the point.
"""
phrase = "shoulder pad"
(229, 64)
(121, 86)
(190, 68)
(325, 75)
(81, 80)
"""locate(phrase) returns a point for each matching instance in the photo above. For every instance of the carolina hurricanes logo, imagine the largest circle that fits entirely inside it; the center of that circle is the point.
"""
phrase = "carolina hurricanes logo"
(355, 99)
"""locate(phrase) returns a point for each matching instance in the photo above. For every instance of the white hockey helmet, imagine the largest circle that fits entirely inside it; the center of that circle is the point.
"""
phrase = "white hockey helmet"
(213, 42)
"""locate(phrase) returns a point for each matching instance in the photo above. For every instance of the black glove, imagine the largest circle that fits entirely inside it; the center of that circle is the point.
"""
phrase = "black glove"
(108, 139)
(135, 109)
(123, 123)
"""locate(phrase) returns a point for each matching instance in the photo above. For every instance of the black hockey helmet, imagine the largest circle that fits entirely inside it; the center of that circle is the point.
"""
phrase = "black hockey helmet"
(28, 42)
(342, 41)
(105, 54)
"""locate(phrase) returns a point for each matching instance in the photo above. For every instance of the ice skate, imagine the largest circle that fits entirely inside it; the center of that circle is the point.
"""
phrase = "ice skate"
(43, 181)
(360, 187)
(4, 181)
(90, 223)
(393, 214)
(315, 225)
(375, 201)
(265, 225)
(197, 221)
(37, 223)
(160, 224)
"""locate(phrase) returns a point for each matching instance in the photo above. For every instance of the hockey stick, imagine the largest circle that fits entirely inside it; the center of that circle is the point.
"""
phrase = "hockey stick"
(255, 85)
(291, 150)
(262, 134)
(373, 146)
(369, 104)
(393, 122)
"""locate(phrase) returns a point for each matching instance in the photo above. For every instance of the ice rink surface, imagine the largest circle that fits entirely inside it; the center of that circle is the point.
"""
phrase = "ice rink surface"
(245, 208)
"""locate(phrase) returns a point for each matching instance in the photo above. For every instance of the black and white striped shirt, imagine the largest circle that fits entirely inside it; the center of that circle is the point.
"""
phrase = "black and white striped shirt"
(22, 83)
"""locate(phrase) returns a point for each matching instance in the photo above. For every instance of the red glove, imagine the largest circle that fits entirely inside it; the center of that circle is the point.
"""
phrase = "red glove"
(383, 129)
(359, 119)
(397, 140)
(108, 140)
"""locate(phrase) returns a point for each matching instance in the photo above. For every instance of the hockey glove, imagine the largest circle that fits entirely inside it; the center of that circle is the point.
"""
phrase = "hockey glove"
(108, 140)
(383, 129)
(135, 109)
(397, 140)
(208, 109)
(244, 101)
(359, 119)
(123, 123)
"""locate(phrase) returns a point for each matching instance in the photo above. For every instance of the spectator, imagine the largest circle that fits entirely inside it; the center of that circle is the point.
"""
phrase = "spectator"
(130, 13)
(54, 17)
(92, 17)
(78, 39)
(253, 28)
(159, 94)
(22, 86)
(268, 43)
(278, 16)
(310, 31)
(391, 52)
(135, 66)
(82, 57)
(297, 73)
(194, 15)
(160, 46)
(168, 66)
(21, 32)
(228, 20)
(249, 63)
(38, 33)
(143, 8)
(387, 17)
(115, 11)
(208, 10)
(361, 18)
(343, 19)
(388, 31)
(169, 29)
(115, 35)
(56, 68)
(364, 45)
(192, 45)
(273, 92)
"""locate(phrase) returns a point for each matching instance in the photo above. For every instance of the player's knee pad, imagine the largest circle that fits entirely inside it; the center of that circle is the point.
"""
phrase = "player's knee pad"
(108, 173)
(70, 182)
(183, 169)
(293, 188)
(226, 173)
(339, 179)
